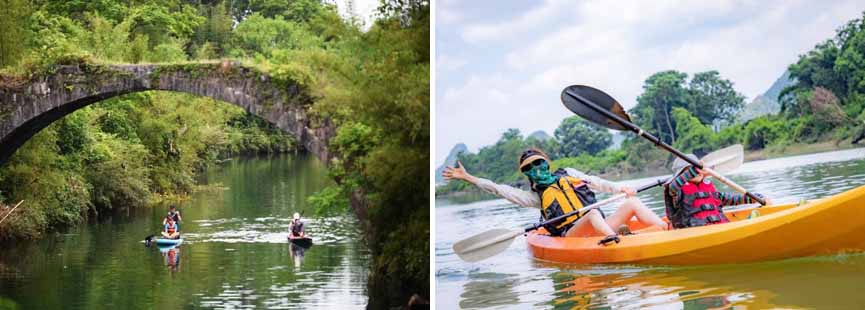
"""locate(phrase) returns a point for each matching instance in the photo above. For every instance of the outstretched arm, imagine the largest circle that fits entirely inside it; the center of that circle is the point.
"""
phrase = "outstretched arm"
(596, 183)
(512, 194)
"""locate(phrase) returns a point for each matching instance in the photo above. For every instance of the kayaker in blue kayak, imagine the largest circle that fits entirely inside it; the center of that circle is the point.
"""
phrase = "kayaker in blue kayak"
(295, 228)
(171, 230)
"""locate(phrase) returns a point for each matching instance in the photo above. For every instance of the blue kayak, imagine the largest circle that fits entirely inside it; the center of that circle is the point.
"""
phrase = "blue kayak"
(168, 242)
(304, 242)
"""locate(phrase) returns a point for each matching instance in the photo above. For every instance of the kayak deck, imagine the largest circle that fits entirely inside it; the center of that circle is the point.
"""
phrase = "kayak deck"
(820, 227)
(168, 242)
(302, 241)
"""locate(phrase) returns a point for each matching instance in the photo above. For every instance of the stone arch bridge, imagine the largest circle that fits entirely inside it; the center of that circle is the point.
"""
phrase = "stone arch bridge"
(27, 105)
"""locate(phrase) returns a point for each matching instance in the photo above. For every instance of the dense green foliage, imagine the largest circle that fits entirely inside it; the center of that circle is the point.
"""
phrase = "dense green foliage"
(577, 136)
(826, 103)
(374, 86)
(708, 96)
(829, 94)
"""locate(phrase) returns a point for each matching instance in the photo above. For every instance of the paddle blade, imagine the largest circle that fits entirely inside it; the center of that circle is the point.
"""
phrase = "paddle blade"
(485, 244)
(597, 97)
(725, 160)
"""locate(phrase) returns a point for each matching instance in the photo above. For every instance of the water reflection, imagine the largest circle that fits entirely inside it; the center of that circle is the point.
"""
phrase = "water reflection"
(620, 291)
(171, 254)
(297, 253)
(813, 282)
(488, 290)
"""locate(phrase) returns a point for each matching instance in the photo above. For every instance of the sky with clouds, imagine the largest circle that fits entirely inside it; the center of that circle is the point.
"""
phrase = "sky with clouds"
(503, 65)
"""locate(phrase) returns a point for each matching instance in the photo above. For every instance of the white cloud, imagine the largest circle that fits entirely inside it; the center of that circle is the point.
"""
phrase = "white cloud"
(478, 33)
(447, 13)
(444, 62)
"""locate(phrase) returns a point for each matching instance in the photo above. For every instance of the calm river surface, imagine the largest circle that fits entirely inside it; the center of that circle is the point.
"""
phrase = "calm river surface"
(234, 253)
(514, 280)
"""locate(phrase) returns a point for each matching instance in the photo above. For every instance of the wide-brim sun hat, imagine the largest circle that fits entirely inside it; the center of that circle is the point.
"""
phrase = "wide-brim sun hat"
(531, 155)
(680, 164)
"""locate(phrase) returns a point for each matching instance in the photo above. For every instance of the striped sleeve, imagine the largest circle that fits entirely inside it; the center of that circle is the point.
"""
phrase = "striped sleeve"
(680, 180)
(732, 199)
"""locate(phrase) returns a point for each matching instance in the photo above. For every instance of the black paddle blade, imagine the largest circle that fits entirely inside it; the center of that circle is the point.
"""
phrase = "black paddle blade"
(597, 97)
(148, 240)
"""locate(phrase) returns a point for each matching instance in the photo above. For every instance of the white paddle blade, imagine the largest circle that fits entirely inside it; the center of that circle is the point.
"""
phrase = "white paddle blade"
(725, 160)
(485, 244)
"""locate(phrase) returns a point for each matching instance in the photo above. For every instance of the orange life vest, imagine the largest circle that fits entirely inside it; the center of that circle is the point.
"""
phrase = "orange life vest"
(568, 194)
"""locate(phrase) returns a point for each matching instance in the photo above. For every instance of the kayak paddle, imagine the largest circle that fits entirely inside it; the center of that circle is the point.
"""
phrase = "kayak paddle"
(492, 242)
(599, 108)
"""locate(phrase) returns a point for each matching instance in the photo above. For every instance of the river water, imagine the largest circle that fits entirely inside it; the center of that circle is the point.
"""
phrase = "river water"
(234, 253)
(514, 280)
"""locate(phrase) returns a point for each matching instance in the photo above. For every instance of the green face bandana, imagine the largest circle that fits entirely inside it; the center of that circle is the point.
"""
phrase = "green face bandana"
(540, 174)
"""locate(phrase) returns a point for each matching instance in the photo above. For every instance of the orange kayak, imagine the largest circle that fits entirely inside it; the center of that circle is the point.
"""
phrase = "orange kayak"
(828, 226)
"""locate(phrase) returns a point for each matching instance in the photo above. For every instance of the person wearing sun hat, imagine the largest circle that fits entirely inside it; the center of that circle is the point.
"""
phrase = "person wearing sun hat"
(559, 192)
(295, 228)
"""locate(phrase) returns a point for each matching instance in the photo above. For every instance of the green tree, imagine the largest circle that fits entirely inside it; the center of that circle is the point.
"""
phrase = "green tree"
(294, 10)
(713, 98)
(763, 131)
(694, 137)
(662, 92)
(576, 136)
(212, 37)
(13, 14)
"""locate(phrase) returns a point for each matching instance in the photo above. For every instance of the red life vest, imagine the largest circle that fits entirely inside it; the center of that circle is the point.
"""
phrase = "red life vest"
(698, 205)
(171, 228)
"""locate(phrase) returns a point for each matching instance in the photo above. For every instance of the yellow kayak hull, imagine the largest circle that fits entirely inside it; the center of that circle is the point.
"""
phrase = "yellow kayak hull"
(828, 226)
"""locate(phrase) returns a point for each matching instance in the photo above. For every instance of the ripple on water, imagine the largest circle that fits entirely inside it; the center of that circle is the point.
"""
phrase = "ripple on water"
(269, 230)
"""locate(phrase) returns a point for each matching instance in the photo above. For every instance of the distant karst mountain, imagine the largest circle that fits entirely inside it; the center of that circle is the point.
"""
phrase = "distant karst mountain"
(767, 103)
(540, 135)
(450, 160)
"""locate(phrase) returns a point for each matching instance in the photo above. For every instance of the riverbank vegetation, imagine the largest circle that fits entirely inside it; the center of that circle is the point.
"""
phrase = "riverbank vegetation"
(825, 104)
(370, 84)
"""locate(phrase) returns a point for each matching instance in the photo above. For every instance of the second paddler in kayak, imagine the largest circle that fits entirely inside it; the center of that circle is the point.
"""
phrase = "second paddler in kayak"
(691, 200)
(170, 230)
(295, 227)
(562, 191)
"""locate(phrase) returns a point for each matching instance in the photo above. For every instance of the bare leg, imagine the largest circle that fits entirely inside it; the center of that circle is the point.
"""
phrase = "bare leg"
(634, 207)
(593, 219)
(165, 234)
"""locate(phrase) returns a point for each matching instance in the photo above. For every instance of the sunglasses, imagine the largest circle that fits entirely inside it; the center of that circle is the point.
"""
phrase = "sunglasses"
(535, 163)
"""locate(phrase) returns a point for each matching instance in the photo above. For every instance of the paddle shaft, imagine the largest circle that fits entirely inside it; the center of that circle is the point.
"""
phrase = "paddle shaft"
(639, 131)
(593, 206)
